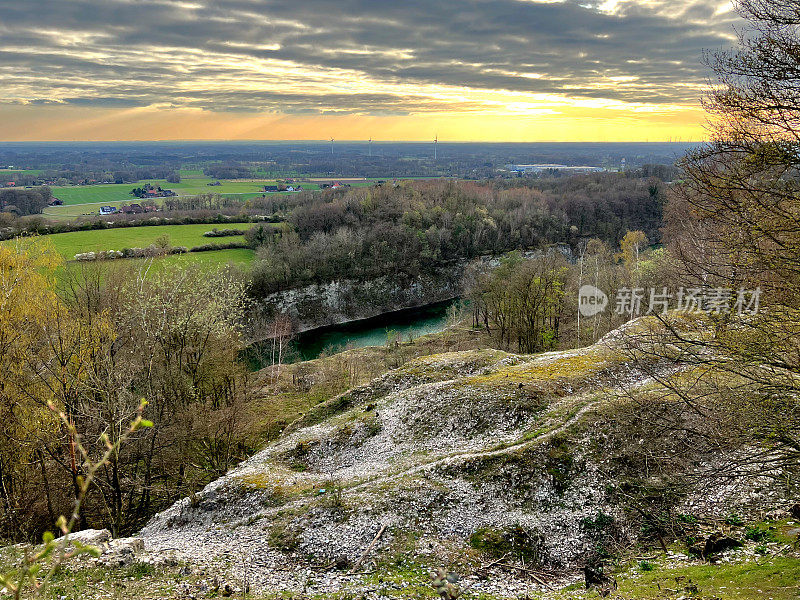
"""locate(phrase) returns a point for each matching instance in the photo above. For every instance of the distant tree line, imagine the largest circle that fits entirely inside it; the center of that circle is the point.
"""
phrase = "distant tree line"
(26, 201)
(201, 202)
(229, 171)
(662, 172)
(86, 177)
(474, 161)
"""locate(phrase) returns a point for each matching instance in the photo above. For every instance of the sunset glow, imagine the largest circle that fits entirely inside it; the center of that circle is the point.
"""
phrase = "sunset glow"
(269, 69)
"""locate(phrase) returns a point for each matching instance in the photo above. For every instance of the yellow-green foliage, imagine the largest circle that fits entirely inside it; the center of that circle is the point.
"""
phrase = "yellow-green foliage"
(447, 365)
(280, 482)
(775, 578)
(552, 370)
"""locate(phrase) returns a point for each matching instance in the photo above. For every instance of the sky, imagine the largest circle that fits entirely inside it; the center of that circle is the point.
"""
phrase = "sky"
(465, 70)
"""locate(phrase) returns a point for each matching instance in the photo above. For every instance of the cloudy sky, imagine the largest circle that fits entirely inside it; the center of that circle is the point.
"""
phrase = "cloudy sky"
(515, 70)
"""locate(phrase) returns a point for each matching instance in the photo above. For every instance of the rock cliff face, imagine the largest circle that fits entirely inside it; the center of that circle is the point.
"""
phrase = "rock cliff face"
(445, 455)
(349, 300)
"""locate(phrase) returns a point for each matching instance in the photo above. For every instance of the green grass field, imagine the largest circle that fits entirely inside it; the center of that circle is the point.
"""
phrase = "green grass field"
(774, 578)
(93, 194)
(75, 242)
(207, 260)
(70, 244)
(23, 171)
(192, 183)
(215, 258)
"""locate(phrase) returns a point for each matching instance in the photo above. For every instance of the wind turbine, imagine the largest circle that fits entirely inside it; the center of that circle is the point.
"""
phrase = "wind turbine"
(370, 146)
(331, 146)
(435, 144)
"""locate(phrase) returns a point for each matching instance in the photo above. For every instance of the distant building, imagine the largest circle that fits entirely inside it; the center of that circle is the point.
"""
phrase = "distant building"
(56, 202)
(133, 209)
(150, 191)
(541, 168)
(108, 210)
(271, 188)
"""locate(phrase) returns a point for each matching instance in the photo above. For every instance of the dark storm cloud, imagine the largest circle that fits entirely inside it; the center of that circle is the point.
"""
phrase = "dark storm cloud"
(367, 56)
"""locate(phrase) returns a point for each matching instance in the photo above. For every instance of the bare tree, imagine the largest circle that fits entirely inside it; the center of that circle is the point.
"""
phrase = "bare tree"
(281, 332)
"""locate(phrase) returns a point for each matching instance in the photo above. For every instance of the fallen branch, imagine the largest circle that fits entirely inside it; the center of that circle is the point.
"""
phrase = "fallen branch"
(535, 575)
(368, 550)
(493, 563)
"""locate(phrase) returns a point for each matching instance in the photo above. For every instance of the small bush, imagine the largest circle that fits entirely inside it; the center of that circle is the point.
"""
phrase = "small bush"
(139, 569)
(756, 534)
(734, 519)
(560, 463)
(223, 232)
(516, 541)
(646, 566)
(281, 537)
(163, 242)
(601, 522)
(211, 247)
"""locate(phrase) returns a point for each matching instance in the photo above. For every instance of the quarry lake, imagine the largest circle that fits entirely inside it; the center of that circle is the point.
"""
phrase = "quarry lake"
(402, 325)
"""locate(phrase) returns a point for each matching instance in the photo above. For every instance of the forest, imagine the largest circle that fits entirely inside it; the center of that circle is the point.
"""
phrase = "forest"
(414, 227)
(92, 347)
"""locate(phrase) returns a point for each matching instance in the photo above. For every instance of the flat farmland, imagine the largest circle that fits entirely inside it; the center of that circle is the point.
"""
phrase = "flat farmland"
(75, 242)
(214, 258)
(22, 171)
(191, 185)
(93, 194)
(210, 261)
(67, 212)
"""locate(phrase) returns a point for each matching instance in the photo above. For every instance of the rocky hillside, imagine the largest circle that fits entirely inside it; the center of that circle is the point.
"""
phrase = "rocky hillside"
(439, 462)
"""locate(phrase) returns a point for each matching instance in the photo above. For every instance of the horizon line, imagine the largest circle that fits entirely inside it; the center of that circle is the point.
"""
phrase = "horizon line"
(354, 140)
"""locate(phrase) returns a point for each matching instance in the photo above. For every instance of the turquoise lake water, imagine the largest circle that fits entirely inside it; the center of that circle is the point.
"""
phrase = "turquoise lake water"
(403, 324)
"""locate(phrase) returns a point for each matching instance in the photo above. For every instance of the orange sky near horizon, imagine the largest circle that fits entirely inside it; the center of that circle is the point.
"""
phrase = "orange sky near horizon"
(67, 123)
